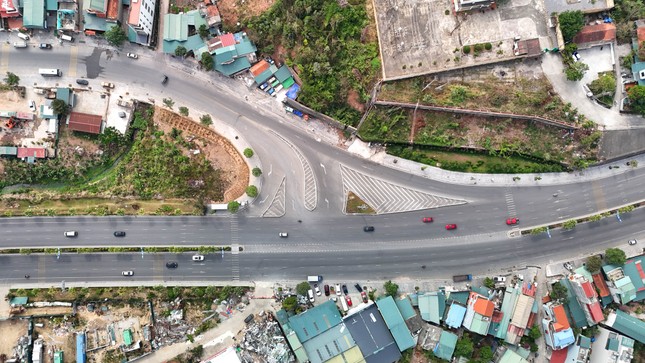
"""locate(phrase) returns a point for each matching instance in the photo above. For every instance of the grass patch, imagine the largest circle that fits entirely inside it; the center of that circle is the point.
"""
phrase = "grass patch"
(355, 205)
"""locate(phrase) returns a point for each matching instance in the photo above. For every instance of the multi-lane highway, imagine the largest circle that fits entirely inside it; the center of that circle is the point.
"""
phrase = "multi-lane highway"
(326, 240)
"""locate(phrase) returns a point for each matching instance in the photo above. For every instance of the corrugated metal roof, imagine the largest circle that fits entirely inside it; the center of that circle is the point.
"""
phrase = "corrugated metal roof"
(33, 15)
(85, 122)
(371, 334)
(405, 307)
(511, 357)
(455, 316)
(432, 305)
(574, 309)
(282, 74)
(522, 311)
(8, 150)
(231, 69)
(396, 324)
(175, 27)
(630, 326)
(259, 67)
(560, 317)
(446, 346)
(36, 152)
(315, 320)
(80, 348)
(604, 32)
(329, 344)
(601, 284)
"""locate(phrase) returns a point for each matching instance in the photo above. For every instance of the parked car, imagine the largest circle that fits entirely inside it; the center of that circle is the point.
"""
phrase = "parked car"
(82, 82)
(451, 226)
(119, 234)
(283, 234)
(127, 273)
(338, 291)
(298, 113)
(358, 288)
(368, 229)
(576, 56)
(349, 300)
(632, 242)
(133, 56)
(310, 294)
(45, 46)
(499, 279)
(512, 221)
(288, 109)
(345, 290)
(270, 91)
(364, 296)
(198, 258)
(326, 288)
(333, 298)
(171, 264)
(317, 290)
(264, 86)
(248, 319)
(426, 219)
(32, 106)
(568, 266)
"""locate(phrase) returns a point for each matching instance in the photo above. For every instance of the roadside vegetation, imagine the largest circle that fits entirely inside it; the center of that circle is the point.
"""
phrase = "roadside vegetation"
(328, 46)
(355, 205)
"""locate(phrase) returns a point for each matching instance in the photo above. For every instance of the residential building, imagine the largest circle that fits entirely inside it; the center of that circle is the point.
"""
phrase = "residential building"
(83, 122)
(621, 286)
(455, 315)
(478, 314)
(602, 288)
(432, 306)
(177, 29)
(232, 60)
(369, 330)
(579, 352)
(8, 150)
(634, 269)
(573, 308)
(446, 346)
(510, 356)
(626, 325)
(101, 15)
(33, 16)
(10, 9)
(586, 295)
(141, 21)
(211, 14)
(558, 333)
(30, 154)
(611, 347)
(595, 34)
(395, 323)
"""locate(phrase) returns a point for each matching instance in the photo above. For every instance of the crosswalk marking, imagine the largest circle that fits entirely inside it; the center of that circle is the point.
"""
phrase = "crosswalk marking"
(510, 205)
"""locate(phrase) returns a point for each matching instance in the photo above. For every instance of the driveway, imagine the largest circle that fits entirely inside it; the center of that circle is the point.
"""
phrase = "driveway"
(573, 92)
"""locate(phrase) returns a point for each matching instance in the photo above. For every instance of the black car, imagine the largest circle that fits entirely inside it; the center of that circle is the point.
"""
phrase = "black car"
(359, 288)
(119, 234)
(83, 82)
(345, 290)
(164, 80)
(45, 46)
(368, 228)
(171, 264)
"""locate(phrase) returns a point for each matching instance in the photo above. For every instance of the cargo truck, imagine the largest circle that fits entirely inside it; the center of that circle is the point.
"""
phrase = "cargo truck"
(461, 278)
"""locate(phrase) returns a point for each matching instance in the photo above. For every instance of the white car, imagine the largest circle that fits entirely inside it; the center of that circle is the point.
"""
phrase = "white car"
(283, 234)
(32, 106)
(198, 258)
(338, 292)
(499, 279)
(288, 109)
(632, 242)
(133, 56)
(317, 289)
(127, 273)
(310, 294)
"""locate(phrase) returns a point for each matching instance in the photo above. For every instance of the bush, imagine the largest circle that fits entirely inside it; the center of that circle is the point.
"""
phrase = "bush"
(180, 51)
(615, 256)
(478, 48)
(256, 172)
(183, 110)
(466, 49)
(233, 206)
(206, 120)
(248, 152)
(391, 289)
(488, 46)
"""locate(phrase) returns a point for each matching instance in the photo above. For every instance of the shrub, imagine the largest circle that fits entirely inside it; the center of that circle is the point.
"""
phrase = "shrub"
(248, 152)
(478, 48)
(206, 120)
(183, 110)
(256, 172)
(488, 46)
(466, 49)
(252, 191)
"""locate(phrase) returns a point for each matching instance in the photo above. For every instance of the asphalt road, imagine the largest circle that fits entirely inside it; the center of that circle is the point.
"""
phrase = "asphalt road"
(322, 239)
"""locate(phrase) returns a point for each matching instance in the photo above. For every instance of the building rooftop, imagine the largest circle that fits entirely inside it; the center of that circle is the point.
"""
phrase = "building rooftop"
(596, 33)
(482, 305)
(329, 343)
(561, 320)
(315, 320)
(510, 356)
(84, 122)
(601, 284)
(395, 323)
(259, 67)
(628, 325)
(175, 27)
(634, 269)
(34, 14)
(370, 332)
(586, 6)
(35, 152)
(432, 306)
(574, 310)
(455, 317)
(446, 346)
(405, 307)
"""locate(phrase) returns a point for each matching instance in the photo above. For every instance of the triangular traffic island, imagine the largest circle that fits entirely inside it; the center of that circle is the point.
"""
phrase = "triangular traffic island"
(355, 205)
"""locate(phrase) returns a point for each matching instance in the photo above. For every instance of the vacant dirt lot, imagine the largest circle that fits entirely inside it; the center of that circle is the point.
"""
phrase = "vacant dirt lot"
(11, 331)
(234, 10)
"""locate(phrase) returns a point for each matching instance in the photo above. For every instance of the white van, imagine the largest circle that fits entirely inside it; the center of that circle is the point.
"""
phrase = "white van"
(66, 38)
(20, 44)
(71, 233)
(314, 278)
(23, 36)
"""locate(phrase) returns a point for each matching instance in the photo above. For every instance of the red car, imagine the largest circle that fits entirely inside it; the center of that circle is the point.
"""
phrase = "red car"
(326, 290)
(364, 296)
(512, 221)
(426, 219)
(349, 300)
(451, 226)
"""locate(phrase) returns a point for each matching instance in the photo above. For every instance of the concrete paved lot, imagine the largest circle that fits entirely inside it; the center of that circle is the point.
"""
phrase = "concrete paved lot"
(417, 37)
(599, 60)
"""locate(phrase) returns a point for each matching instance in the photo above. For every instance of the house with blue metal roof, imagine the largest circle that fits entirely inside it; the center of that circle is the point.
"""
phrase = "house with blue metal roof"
(432, 306)
(455, 315)
(627, 325)
(370, 332)
(395, 323)
(508, 306)
(446, 346)
(510, 356)
(81, 355)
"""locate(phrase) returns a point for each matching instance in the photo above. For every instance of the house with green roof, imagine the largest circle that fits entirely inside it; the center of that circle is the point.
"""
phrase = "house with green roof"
(8, 150)
(620, 284)
(446, 346)
(510, 356)
(59, 357)
(33, 14)
(633, 268)
(394, 321)
(96, 17)
(233, 59)
(574, 310)
(405, 307)
(315, 320)
(177, 30)
(432, 306)
(627, 325)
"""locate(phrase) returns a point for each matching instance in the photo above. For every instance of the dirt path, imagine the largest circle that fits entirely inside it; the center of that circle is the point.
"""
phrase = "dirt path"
(217, 149)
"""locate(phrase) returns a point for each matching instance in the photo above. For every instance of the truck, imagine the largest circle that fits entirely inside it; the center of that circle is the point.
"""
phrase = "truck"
(461, 278)
(343, 303)
(20, 44)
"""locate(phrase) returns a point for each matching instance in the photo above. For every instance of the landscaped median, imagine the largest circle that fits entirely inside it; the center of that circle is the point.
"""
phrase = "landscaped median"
(199, 249)
(572, 223)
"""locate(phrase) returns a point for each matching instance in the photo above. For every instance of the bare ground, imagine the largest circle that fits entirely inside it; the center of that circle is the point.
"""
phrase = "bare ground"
(234, 10)
(11, 331)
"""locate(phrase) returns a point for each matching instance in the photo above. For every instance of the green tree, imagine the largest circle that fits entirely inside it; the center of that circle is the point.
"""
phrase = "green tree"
(576, 71)
(558, 292)
(593, 264)
(256, 172)
(464, 347)
(538, 230)
(11, 79)
(252, 191)
(206, 120)
(203, 31)
(183, 110)
(485, 354)
(571, 22)
(207, 61)
(570, 224)
(111, 140)
(302, 288)
(489, 283)
(606, 84)
(181, 51)
(290, 303)
(233, 206)
(636, 96)
(391, 289)
(535, 333)
(615, 256)
(168, 102)
(115, 36)
(248, 152)
(60, 107)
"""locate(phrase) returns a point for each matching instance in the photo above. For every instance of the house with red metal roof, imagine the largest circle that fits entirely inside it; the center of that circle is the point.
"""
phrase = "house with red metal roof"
(596, 34)
(30, 154)
(586, 295)
(84, 122)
